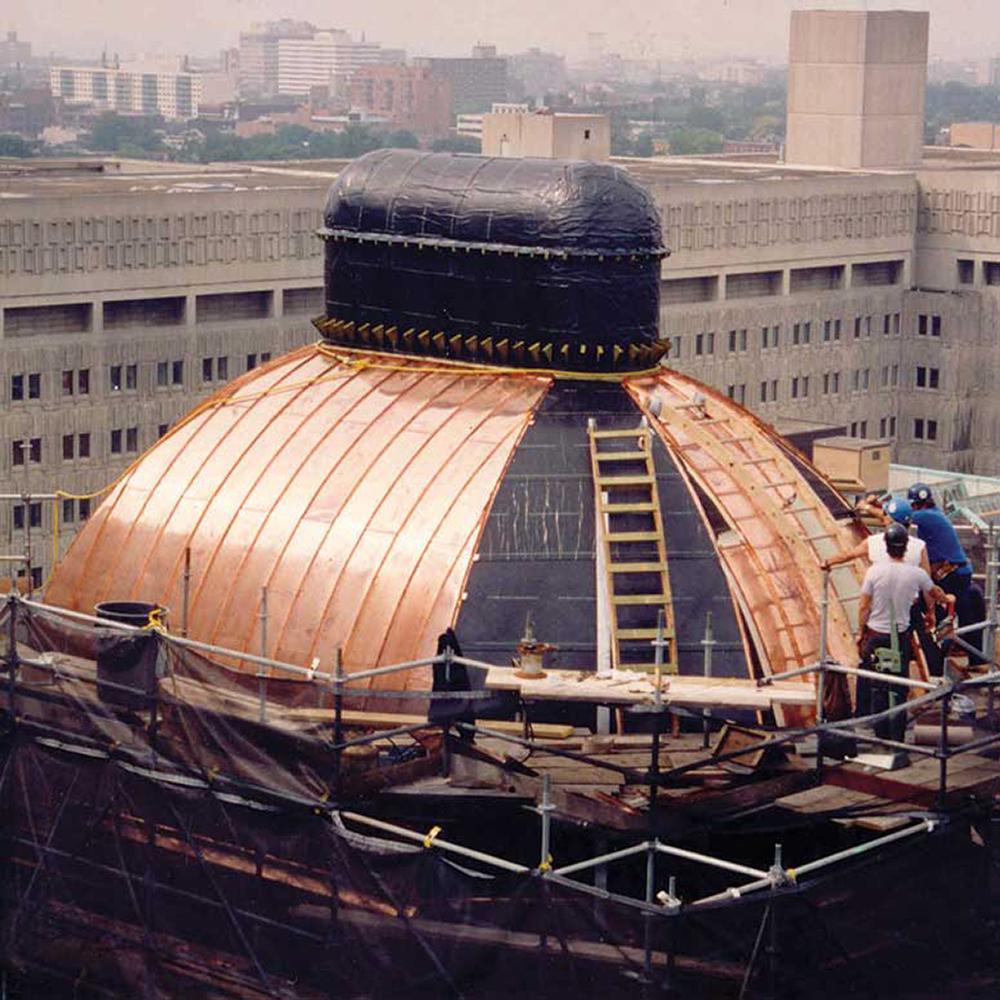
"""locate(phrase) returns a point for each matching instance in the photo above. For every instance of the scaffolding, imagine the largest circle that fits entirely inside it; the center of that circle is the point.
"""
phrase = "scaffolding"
(171, 751)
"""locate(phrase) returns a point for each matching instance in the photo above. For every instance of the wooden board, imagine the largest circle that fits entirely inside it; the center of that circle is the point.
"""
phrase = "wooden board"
(630, 689)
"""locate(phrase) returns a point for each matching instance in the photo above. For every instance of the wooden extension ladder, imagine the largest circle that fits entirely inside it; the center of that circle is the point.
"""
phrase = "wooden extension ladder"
(630, 531)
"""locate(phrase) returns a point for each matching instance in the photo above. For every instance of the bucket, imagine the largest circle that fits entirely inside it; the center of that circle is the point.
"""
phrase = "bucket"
(126, 662)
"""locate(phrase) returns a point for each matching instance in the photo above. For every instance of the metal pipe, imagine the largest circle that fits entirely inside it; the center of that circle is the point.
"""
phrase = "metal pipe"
(925, 825)
(361, 675)
(338, 718)
(732, 893)
(943, 753)
(787, 674)
(261, 676)
(437, 842)
(824, 619)
(545, 859)
(603, 859)
(707, 859)
(892, 744)
(12, 655)
(186, 591)
(983, 741)
(884, 678)
(707, 645)
(612, 897)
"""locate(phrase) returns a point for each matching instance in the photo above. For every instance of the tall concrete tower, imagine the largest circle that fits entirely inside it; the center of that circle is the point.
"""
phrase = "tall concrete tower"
(856, 88)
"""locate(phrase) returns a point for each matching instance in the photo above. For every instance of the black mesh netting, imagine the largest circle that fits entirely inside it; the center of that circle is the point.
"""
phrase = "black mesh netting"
(192, 851)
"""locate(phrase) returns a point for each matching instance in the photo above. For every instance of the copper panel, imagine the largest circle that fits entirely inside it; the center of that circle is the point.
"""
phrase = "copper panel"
(772, 566)
(354, 492)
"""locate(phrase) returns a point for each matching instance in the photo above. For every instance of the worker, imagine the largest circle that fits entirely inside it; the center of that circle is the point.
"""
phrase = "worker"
(889, 589)
(896, 511)
(950, 566)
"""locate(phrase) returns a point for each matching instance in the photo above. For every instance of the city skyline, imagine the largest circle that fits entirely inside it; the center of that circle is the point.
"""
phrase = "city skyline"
(675, 30)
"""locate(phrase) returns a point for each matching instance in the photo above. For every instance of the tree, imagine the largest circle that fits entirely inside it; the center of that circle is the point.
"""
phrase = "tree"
(643, 145)
(456, 144)
(14, 145)
(694, 141)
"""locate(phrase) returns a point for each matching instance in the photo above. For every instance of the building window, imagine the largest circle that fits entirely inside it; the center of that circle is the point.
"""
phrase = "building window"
(19, 517)
(886, 324)
(177, 373)
(704, 343)
(966, 271)
(795, 387)
(206, 369)
(935, 326)
(265, 356)
(131, 376)
(865, 379)
(836, 329)
(83, 446)
(796, 334)
(68, 511)
(827, 330)
(34, 386)
(68, 442)
(162, 373)
(16, 388)
(83, 381)
(928, 378)
(894, 375)
(115, 378)
(35, 451)
(162, 429)
(892, 426)
(132, 439)
(895, 324)
(222, 369)
(763, 392)
(586, 133)
(252, 361)
(925, 430)
(67, 382)
(116, 442)
(863, 428)
(83, 509)
(36, 577)
(35, 514)
(674, 351)
(857, 327)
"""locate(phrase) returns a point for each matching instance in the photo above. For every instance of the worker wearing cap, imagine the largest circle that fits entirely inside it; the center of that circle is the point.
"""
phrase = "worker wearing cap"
(889, 589)
(896, 511)
(950, 566)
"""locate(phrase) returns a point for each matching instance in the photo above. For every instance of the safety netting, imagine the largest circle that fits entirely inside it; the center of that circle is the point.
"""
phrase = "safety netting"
(173, 844)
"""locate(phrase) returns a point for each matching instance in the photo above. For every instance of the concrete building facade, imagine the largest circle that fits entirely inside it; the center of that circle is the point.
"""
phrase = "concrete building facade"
(542, 133)
(856, 88)
(152, 88)
(127, 299)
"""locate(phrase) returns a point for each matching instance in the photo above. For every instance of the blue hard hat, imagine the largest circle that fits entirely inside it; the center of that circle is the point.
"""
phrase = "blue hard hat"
(899, 510)
(919, 493)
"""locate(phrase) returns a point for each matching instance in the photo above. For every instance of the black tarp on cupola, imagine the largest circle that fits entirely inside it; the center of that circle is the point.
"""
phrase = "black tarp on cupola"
(537, 553)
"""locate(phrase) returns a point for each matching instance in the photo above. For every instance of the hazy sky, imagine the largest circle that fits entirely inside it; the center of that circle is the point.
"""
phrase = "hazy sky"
(663, 28)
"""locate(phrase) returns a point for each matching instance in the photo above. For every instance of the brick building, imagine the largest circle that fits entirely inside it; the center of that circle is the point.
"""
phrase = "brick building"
(411, 97)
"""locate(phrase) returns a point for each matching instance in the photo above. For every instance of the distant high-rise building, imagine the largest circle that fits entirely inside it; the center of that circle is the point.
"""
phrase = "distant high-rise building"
(541, 133)
(856, 88)
(258, 54)
(536, 73)
(161, 87)
(13, 52)
(477, 82)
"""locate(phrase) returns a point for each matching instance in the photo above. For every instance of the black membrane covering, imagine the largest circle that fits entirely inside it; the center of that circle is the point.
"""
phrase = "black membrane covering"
(537, 552)
(544, 249)
(195, 853)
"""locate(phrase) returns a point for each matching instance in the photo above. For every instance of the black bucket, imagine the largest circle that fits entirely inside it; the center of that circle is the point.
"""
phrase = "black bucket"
(126, 661)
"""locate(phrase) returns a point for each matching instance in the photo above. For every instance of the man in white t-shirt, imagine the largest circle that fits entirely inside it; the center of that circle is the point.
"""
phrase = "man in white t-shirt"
(873, 547)
(887, 594)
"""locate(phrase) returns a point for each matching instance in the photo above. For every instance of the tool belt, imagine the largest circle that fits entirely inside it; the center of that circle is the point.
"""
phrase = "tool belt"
(939, 570)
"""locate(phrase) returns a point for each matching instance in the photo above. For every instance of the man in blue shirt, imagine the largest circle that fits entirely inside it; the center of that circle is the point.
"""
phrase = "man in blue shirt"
(950, 566)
